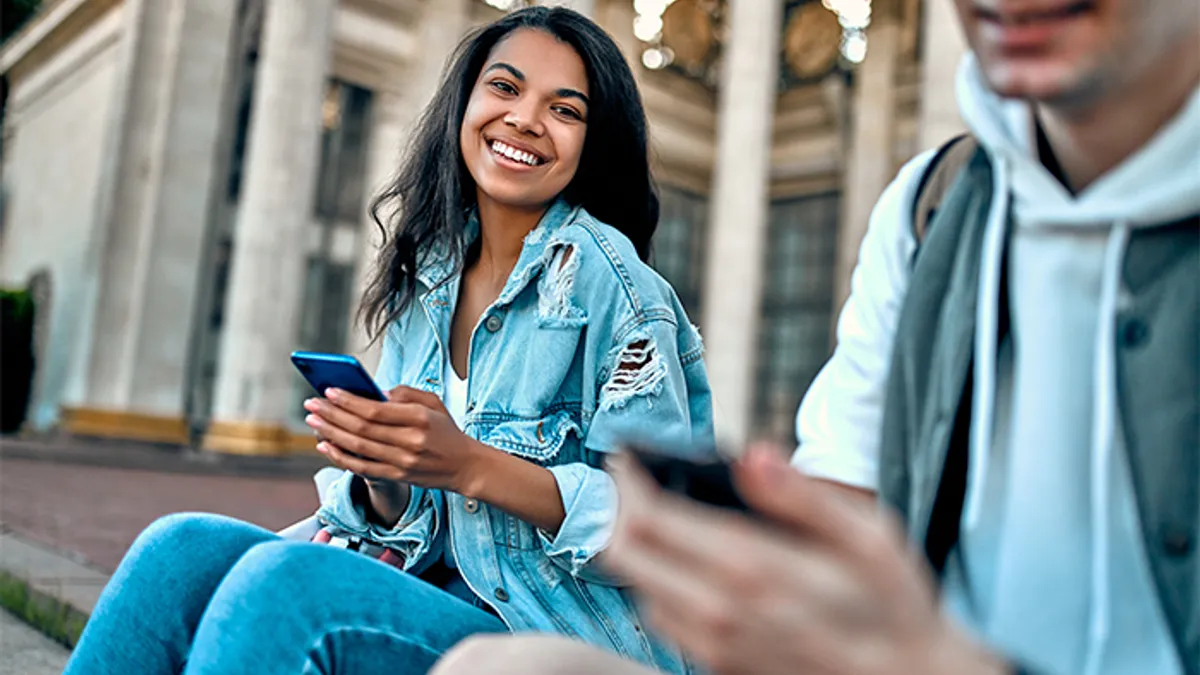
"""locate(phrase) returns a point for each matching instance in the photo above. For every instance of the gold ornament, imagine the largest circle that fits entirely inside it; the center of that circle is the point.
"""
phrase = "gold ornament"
(811, 41)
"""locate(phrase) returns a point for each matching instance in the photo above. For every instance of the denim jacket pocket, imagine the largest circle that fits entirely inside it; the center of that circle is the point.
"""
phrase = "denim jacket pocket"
(540, 440)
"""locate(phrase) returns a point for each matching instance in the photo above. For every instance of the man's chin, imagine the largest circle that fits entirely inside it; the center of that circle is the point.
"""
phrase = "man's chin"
(1045, 83)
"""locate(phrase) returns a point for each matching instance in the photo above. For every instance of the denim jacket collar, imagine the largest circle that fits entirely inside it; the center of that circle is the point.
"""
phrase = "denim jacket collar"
(441, 279)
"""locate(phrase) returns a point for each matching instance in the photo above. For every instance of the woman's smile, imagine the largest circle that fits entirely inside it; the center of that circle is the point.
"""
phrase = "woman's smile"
(510, 154)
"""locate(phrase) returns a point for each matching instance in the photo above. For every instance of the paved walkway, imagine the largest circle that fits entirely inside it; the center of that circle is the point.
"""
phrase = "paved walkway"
(97, 511)
(69, 511)
(24, 651)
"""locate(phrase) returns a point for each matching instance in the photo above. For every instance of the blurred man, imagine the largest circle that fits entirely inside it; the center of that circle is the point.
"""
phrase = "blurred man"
(1022, 390)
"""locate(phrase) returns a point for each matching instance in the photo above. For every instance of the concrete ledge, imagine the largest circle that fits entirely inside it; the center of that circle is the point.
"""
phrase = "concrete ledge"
(45, 613)
(25, 651)
(47, 589)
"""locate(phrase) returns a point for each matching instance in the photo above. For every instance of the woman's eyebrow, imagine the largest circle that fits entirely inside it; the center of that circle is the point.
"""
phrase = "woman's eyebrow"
(572, 93)
(500, 65)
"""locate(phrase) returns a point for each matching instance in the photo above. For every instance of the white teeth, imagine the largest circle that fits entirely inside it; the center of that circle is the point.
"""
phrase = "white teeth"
(514, 154)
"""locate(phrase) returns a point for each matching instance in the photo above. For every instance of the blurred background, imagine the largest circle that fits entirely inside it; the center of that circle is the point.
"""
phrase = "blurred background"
(164, 160)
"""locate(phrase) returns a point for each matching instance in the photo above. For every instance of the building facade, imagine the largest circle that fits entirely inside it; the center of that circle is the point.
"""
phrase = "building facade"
(187, 184)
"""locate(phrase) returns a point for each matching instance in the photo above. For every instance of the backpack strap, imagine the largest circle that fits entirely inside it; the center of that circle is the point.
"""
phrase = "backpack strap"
(937, 178)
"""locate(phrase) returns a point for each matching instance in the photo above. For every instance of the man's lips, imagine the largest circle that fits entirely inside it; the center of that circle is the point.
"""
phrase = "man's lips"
(1028, 28)
(1015, 15)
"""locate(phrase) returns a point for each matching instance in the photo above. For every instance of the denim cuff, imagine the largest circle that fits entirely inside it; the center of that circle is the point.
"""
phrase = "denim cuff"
(413, 534)
(589, 498)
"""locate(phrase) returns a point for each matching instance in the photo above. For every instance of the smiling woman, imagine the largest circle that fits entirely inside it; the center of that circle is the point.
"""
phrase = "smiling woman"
(523, 337)
(547, 83)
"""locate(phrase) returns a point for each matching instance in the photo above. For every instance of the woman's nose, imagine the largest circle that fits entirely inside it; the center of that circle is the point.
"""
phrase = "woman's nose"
(524, 119)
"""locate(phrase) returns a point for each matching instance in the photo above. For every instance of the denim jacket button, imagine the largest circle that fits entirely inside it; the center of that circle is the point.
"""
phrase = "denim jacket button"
(470, 506)
(1176, 542)
(1134, 333)
(493, 323)
(501, 594)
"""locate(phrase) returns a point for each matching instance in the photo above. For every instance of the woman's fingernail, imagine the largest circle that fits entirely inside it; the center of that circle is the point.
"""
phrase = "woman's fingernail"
(333, 393)
(311, 404)
(312, 420)
(323, 448)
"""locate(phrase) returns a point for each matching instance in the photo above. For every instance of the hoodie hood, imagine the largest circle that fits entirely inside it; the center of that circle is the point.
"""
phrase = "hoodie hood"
(1160, 183)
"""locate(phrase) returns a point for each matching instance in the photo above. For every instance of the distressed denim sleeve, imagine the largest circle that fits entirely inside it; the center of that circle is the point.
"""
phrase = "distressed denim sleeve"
(643, 394)
(414, 534)
(589, 499)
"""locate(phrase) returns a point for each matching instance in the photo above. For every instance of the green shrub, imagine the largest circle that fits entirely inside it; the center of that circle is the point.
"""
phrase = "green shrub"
(16, 357)
(19, 302)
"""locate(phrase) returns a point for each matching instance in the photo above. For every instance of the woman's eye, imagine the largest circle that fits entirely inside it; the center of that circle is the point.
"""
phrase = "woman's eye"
(502, 86)
(568, 112)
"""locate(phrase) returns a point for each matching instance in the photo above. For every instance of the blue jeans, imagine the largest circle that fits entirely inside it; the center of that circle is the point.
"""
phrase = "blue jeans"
(208, 594)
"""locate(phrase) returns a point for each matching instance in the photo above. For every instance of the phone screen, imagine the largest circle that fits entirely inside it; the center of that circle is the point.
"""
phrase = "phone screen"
(323, 371)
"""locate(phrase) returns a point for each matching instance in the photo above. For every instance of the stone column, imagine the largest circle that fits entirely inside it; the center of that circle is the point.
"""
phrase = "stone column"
(869, 167)
(254, 381)
(135, 363)
(942, 47)
(395, 111)
(738, 210)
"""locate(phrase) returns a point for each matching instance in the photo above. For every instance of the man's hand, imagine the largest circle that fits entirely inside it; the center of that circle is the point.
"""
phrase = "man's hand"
(817, 584)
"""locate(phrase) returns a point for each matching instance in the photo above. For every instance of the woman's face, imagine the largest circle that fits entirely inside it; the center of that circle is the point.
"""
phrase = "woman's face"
(525, 123)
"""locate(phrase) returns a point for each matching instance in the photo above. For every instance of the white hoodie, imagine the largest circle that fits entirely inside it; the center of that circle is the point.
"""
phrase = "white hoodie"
(1050, 567)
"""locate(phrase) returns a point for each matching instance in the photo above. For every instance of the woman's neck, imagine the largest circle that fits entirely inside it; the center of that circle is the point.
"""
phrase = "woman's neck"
(502, 231)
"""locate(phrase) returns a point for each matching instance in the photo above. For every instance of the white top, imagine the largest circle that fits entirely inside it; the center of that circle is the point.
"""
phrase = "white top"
(455, 394)
(1051, 567)
(454, 397)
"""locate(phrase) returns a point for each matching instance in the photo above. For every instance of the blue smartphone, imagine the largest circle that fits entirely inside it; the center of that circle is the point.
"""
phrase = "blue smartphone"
(336, 370)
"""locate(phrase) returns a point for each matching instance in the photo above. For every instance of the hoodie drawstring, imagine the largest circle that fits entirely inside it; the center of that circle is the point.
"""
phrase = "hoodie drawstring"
(987, 322)
(1104, 388)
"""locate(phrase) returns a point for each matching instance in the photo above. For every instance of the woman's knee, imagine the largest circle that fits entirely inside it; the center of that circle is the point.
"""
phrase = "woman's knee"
(180, 537)
(180, 529)
(282, 568)
(532, 655)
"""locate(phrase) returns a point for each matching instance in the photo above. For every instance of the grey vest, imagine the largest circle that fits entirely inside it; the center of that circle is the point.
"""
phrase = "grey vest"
(924, 455)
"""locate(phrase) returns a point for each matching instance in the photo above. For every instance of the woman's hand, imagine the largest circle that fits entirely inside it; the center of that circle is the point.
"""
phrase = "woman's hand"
(409, 438)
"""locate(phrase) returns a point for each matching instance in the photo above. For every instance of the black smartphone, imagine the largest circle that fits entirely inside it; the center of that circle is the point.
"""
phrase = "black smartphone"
(708, 481)
(336, 370)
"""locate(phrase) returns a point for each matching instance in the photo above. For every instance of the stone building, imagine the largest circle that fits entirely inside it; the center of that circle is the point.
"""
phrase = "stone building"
(190, 179)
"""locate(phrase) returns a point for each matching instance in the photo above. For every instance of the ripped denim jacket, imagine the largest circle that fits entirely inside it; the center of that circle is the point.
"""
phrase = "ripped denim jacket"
(585, 345)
